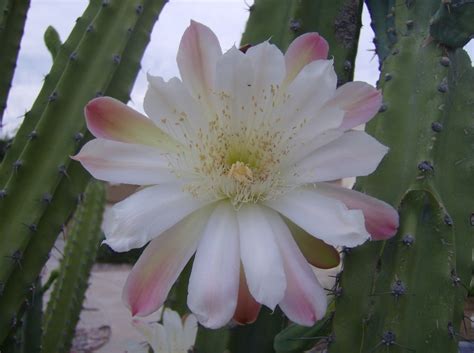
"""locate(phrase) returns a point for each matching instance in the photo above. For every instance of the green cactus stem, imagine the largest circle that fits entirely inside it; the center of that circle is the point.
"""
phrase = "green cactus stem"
(407, 293)
(453, 24)
(40, 168)
(32, 326)
(64, 200)
(52, 41)
(12, 23)
(65, 304)
(32, 117)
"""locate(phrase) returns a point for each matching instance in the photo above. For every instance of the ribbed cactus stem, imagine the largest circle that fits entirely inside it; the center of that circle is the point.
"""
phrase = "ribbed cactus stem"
(32, 117)
(12, 23)
(94, 67)
(52, 41)
(407, 293)
(83, 239)
(63, 201)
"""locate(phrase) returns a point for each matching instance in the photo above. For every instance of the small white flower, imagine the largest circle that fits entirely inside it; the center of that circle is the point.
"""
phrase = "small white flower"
(236, 160)
(173, 336)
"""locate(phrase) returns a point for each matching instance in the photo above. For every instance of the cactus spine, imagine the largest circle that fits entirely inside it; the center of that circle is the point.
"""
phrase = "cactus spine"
(83, 240)
(407, 293)
(12, 23)
(63, 201)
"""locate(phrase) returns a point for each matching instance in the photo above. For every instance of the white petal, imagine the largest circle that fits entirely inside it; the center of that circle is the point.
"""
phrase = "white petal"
(323, 217)
(314, 86)
(303, 50)
(146, 214)
(110, 119)
(260, 256)
(359, 100)
(303, 147)
(214, 282)
(174, 330)
(172, 108)
(119, 162)
(198, 53)
(159, 266)
(355, 153)
(234, 79)
(154, 334)
(269, 66)
(381, 219)
(305, 300)
(190, 330)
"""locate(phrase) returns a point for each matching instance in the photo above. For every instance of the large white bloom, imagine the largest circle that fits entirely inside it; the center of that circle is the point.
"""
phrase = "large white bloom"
(235, 162)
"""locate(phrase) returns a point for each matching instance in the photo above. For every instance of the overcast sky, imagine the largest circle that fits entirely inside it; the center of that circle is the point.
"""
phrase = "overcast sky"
(227, 19)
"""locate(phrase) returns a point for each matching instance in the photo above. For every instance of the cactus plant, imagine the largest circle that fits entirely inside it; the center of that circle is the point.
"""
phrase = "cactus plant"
(452, 24)
(52, 41)
(12, 23)
(63, 201)
(407, 293)
(97, 57)
(66, 299)
(32, 117)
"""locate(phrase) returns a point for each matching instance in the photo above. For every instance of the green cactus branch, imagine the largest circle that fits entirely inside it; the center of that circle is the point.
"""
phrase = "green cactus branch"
(94, 64)
(63, 201)
(12, 23)
(382, 14)
(65, 304)
(453, 25)
(409, 291)
(32, 117)
(52, 41)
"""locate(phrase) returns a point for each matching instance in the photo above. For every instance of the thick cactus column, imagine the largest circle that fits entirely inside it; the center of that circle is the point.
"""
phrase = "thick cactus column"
(57, 207)
(407, 293)
(96, 59)
(32, 117)
(83, 240)
(12, 23)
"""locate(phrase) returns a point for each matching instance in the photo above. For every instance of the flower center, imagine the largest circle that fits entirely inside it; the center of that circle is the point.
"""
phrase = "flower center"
(241, 172)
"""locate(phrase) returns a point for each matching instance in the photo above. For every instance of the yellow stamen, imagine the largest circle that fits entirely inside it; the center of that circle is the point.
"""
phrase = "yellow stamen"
(241, 172)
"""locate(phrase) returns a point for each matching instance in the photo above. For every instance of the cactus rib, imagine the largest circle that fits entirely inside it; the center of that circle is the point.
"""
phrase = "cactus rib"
(12, 23)
(65, 304)
(65, 197)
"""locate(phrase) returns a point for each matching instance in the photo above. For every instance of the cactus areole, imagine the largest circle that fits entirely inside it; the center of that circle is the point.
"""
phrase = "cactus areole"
(236, 153)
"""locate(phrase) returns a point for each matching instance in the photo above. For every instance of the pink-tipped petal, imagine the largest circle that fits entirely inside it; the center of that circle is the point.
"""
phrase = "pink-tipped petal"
(359, 100)
(381, 219)
(127, 163)
(143, 216)
(304, 301)
(247, 307)
(303, 50)
(325, 218)
(161, 263)
(214, 282)
(197, 57)
(110, 119)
